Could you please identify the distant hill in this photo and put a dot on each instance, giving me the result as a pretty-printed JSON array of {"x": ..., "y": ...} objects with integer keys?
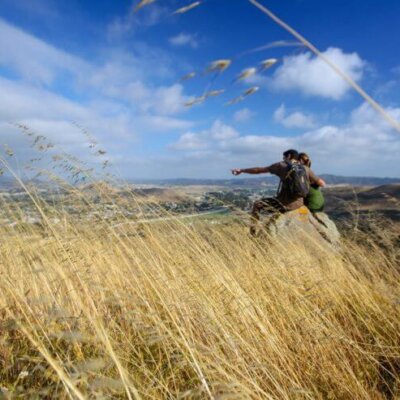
[
  {"x": 343, "y": 202},
  {"x": 358, "y": 180},
  {"x": 269, "y": 180},
  {"x": 244, "y": 181},
  {"x": 384, "y": 191}
]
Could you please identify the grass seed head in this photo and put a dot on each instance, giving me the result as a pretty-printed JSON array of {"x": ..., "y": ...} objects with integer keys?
[
  {"x": 246, "y": 73},
  {"x": 185, "y": 9},
  {"x": 267, "y": 63},
  {"x": 214, "y": 93},
  {"x": 219, "y": 66},
  {"x": 251, "y": 91},
  {"x": 188, "y": 76},
  {"x": 235, "y": 100},
  {"x": 196, "y": 100},
  {"x": 143, "y": 3}
]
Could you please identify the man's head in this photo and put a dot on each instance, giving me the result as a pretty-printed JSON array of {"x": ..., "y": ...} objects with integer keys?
[{"x": 291, "y": 155}]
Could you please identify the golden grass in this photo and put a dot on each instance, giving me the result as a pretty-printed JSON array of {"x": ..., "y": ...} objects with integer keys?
[
  {"x": 189, "y": 310},
  {"x": 174, "y": 310}
]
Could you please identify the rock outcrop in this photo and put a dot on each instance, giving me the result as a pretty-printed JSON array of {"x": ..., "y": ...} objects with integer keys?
[{"x": 303, "y": 225}]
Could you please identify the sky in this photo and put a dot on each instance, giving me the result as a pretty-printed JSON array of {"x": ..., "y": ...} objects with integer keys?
[{"x": 71, "y": 67}]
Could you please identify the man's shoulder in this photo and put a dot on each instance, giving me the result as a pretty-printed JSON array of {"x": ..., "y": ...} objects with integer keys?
[
  {"x": 279, "y": 165},
  {"x": 279, "y": 168}
]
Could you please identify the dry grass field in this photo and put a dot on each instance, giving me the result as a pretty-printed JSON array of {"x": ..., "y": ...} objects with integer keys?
[
  {"x": 96, "y": 304},
  {"x": 191, "y": 310}
]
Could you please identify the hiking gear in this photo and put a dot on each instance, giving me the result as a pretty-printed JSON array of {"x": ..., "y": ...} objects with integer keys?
[
  {"x": 315, "y": 200},
  {"x": 296, "y": 182}
]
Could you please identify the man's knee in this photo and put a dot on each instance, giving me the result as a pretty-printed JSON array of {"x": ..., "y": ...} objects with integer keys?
[{"x": 269, "y": 205}]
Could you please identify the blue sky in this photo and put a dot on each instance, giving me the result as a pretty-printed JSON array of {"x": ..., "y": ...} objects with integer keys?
[{"x": 117, "y": 74}]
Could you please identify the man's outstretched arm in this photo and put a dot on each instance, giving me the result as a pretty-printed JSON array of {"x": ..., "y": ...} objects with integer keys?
[{"x": 255, "y": 170}]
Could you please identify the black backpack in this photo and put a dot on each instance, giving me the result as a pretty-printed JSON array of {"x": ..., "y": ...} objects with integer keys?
[{"x": 296, "y": 183}]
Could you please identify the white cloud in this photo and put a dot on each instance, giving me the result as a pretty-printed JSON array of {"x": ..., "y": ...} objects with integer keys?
[
  {"x": 220, "y": 131},
  {"x": 205, "y": 139},
  {"x": 266, "y": 145},
  {"x": 166, "y": 100},
  {"x": 121, "y": 76},
  {"x": 19, "y": 100},
  {"x": 294, "y": 120},
  {"x": 33, "y": 59},
  {"x": 364, "y": 145},
  {"x": 52, "y": 116},
  {"x": 160, "y": 123},
  {"x": 243, "y": 115},
  {"x": 184, "y": 39},
  {"x": 121, "y": 103},
  {"x": 190, "y": 141},
  {"x": 312, "y": 76}
]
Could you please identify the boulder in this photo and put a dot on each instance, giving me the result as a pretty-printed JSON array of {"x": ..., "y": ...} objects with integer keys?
[{"x": 306, "y": 226}]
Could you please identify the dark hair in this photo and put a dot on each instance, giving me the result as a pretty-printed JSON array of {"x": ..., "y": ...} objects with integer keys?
[
  {"x": 292, "y": 154},
  {"x": 305, "y": 159}
]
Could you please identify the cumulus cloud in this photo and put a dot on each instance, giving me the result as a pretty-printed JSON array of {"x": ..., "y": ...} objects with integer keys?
[
  {"x": 34, "y": 59},
  {"x": 122, "y": 102},
  {"x": 159, "y": 100},
  {"x": 166, "y": 100},
  {"x": 120, "y": 105},
  {"x": 293, "y": 120},
  {"x": 52, "y": 116},
  {"x": 364, "y": 145},
  {"x": 220, "y": 131},
  {"x": 161, "y": 123},
  {"x": 184, "y": 39},
  {"x": 121, "y": 76},
  {"x": 19, "y": 100},
  {"x": 312, "y": 76},
  {"x": 243, "y": 115},
  {"x": 205, "y": 139},
  {"x": 191, "y": 141}
]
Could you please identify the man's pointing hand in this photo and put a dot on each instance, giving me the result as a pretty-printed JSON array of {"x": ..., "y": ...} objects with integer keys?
[{"x": 236, "y": 171}]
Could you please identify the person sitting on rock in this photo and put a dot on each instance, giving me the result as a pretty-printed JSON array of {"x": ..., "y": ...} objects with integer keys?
[
  {"x": 315, "y": 199},
  {"x": 285, "y": 200}
]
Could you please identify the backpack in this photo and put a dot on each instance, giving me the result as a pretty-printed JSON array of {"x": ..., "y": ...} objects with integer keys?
[{"x": 296, "y": 183}]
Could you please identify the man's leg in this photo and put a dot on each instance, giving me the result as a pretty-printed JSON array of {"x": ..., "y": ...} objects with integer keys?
[
  {"x": 268, "y": 204},
  {"x": 258, "y": 205}
]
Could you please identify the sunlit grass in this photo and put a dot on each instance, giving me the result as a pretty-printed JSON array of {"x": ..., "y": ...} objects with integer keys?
[{"x": 186, "y": 309}]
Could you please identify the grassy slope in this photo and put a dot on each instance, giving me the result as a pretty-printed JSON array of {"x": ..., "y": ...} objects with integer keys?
[{"x": 177, "y": 310}]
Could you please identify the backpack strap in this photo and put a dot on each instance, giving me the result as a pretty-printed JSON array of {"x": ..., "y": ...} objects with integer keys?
[{"x": 289, "y": 164}]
